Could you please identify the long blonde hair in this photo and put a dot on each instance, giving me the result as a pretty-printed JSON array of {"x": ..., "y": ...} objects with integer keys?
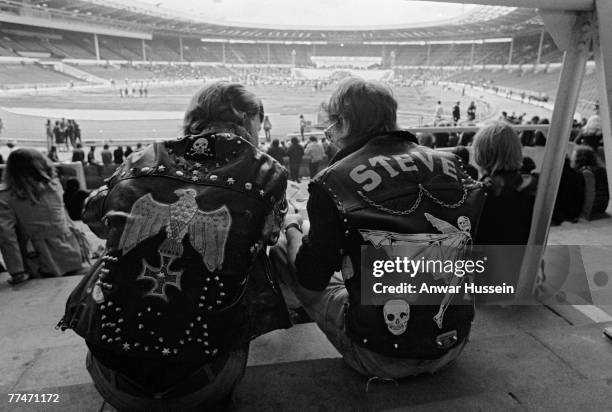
[
  {"x": 497, "y": 149},
  {"x": 28, "y": 174}
]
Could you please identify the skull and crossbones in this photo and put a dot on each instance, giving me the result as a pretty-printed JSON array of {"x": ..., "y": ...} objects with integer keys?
[
  {"x": 200, "y": 147},
  {"x": 397, "y": 313}
]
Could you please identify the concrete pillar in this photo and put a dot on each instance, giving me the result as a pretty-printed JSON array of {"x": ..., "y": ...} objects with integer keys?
[
  {"x": 96, "y": 46},
  {"x": 144, "y": 50},
  {"x": 579, "y": 34},
  {"x": 510, "y": 53},
  {"x": 603, "y": 64},
  {"x": 223, "y": 53},
  {"x": 268, "y": 51},
  {"x": 428, "y": 54},
  {"x": 181, "y": 46}
]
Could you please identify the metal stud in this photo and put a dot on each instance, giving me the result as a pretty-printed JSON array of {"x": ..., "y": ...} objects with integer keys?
[
  {"x": 158, "y": 313},
  {"x": 199, "y": 318},
  {"x": 118, "y": 338},
  {"x": 110, "y": 303},
  {"x": 248, "y": 186},
  {"x": 175, "y": 351},
  {"x": 214, "y": 352},
  {"x": 205, "y": 326},
  {"x": 220, "y": 284},
  {"x": 213, "y": 177},
  {"x": 160, "y": 339},
  {"x": 126, "y": 346},
  {"x": 103, "y": 317},
  {"x": 199, "y": 340},
  {"x": 191, "y": 324},
  {"x": 201, "y": 305},
  {"x": 139, "y": 314},
  {"x": 216, "y": 278},
  {"x": 218, "y": 302},
  {"x": 149, "y": 309},
  {"x": 179, "y": 173},
  {"x": 145, "y": 169},
  {"x": 166, "y": 352},
  {"x": 151, "y": 333},
  {"x": 146, "y": 348},
  {"x": 140, "y": 326},
  {"x": 182, "y": 342},
  {"x": 103, "y": 337},
  {"x": 118, "y": 330},
  {"x": 230, "y": 181},
  {"x": 120, "y": 320},
  {"x": 261, "y": 193},
  {"x": 365, "y": 340},
  {"x": 161, "y": 168},
  {"x": 136, "y": 344},
  {"x": 395, "y": 345}
]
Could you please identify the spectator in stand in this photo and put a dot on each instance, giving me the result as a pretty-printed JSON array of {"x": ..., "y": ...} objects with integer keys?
[
  {"x": 267, "y": 126},
  {"x": 49, "y": 132},
  {"x": 471, "y": 112},
  {"x": 504, "y": 117},
  {"x": 91, "y": 156},
  {"x": 77, "y": 132},
  {"x": 118, "y": 155},
  {"x": 107, "y": 156},
  {"x": 439, "y": 113},
  {"x": 295, "y": 153},
  {"x": 314, "y": 151},
  {"x": 597, "y": 194},
  {"x": 37, "y": 238},
  {"x": 426, "y": 139},
  {"x": 128, "y": 151},
  {"x": 441, "y": 139},
  {"x": 70, "y": 133},
  {"x": 570, "y": 196},
  {"x": 74, "y": 198},
  {"x": 302, "y": 127},
  {"x": 138, "y": 147},
  {"x": 57, "y": 133},
  {"x": 453, "y": 139},
  {"x": 276, "y": 151},
  {"x": 528, "y": 165},
  {"x": 456, "y": 113},
  {"x": 78, "y": 155},
  {"x": 506, "y": 216},
  {"x": 466, "y": 138},
  {"x": 52, "y": 155},
  {"x": 464, "y": 154},
  {"x": 591, "y": 134}
]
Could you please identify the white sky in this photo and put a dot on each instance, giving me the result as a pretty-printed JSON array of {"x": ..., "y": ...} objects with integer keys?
[{"x": 315, "y": 13}]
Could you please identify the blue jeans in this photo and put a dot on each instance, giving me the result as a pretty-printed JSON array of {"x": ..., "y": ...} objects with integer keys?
[
  {"x": 124, "y": 395},
  {"x": 327, "y": 309}
]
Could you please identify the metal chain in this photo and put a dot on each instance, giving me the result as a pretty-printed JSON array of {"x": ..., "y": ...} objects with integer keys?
[{"x": 416, "y": 203}]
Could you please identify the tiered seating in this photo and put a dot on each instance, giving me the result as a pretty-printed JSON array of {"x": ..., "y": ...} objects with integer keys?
[
  {"x": 119, "y": 73},
  {"x": 13, "y": 74}
]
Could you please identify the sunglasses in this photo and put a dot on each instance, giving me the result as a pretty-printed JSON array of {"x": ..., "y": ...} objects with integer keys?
[{"x": 327, "y": 131}]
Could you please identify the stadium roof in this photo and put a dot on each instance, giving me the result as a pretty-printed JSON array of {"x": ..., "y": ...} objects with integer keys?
[{"x": 478, "y": 22}]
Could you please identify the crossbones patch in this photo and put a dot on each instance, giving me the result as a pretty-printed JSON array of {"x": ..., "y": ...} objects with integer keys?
[{"x": 201, "y": 148}]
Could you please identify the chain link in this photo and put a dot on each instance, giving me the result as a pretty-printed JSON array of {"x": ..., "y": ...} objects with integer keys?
[{"x": 416, "y": 203}]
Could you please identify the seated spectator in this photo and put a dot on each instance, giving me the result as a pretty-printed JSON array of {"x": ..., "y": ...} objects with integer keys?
[
  {"x": 295, "y": 152},
  {"x": 426, "y": 139},
  {"x": 314, "y": 151},
  {"x": 74, "y": 198},
  {"x": 276, "y": 151},
  {"x": 78, "y": 155},
  {"x": 506, "y": 216},
  {"x": 453, "y": 139},
  {"x": 466, "y": 138},
  {"x": 527, "y": 165},
  {"x": 107, "y": 156},
  {"x": 37, "y": 237},
  {"x": 128, "y": 151},
  {"x": 570, "y": 197},
  {"x": 597, "y": 195},
  {"x": 118, "y": 155},
  {"x": 185, "y": 261},
  {"x": 464, "y": 154},
  {"x": 591, "y": 134},
  {"x": 441, "y": 139},
  {"x": 91, "y": 156},
  {"x": 381, "y": 340}
]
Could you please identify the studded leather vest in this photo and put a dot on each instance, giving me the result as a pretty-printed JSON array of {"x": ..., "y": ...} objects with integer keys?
[
  {"x": 392, "y": 192},
  {"x": 186, "y": 223}
]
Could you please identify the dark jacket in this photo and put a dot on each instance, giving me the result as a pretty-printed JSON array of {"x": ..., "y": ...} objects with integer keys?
[
  {"x": 383, "y": 193},
  {"x": 186, "y": 223}
]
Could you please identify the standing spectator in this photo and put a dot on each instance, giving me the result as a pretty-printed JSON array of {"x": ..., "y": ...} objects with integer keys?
[
  {"x": 33, "y": 218},
  {"x": 107, "y": 156},
  {"x": 91, "y": 156},
  {"x": 49, "y": 133},
  {"x": 315, "y": 152},
  {"x": 456, "y": 113},
  {"x": 466, "y": 138},
  {"x": 570, "y": 196},
  {"x": 118, "y": 155},
  {"x": 78, "y": 155},
  {"x": 77, "y": 131},
  {"x": 57, "y": 133},
  {"x": 138, "y": 147},
  {"x": 52, "y": 155},
  {"x": 128, "y": 151},
  {"x": 295, "y": 153},
  {"x": 70, "y": 133},
  {"x": 439, "y": 113},
  {"x": 267, "y": 126},
  {"x": 74, "y": 198},
  {"x": 591, "y": 134},
  {"x": 425, "y": 139},
  {"x": 276, "y": 151},
  {"x": 471, "y": 112},
  {"x": 302, "y": 126}
]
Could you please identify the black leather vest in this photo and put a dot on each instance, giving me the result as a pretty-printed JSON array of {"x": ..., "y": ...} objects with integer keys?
[
  {"x": 392, "y": 191},
  {"x": 185, "y": 222}
]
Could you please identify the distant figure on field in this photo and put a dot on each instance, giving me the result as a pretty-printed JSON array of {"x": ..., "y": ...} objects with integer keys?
[
  {"x": 456, "y": 113},
  {"x": 267, "y": 126},
  {"x": 107, "y": 156},
  {"x": 74, "y": 198}
]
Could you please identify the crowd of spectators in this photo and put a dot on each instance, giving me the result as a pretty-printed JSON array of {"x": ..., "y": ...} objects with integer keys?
[{"x": 63, "y": 133}]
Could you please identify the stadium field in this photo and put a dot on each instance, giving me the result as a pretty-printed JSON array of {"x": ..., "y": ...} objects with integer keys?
[{"x": 106, "y": 117}]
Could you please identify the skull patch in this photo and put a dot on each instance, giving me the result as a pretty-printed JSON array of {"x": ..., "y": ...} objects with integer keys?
[
  {"x": 397, "y": 313},
  {"x": 464, "y": 224},
  {"x": 200, "y": 146}
]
